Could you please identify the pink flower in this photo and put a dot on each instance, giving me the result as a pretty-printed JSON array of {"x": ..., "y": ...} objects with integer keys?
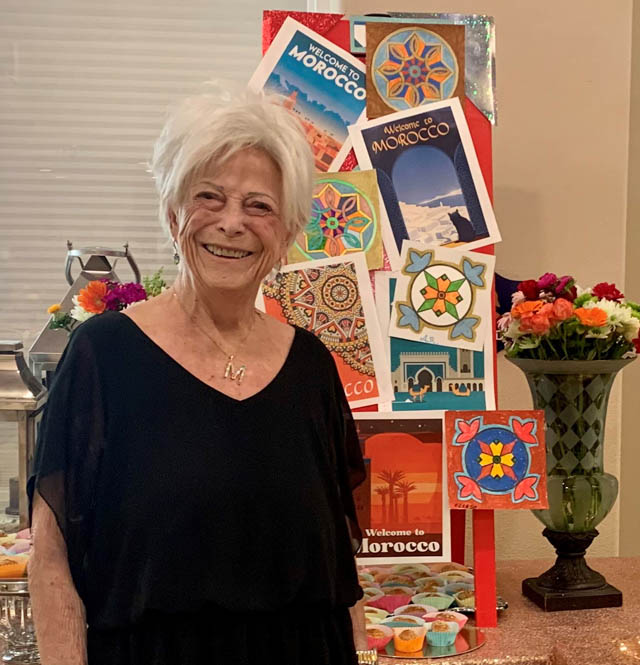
[
  {"x": 547, "y": 281},
  {"x": 564, "y": 284},
  {"x": 517, "y": 297},
  {"x": 504, "y": 322}
]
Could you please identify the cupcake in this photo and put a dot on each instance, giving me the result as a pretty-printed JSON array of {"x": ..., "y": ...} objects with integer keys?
[
  {"x": 378, "y": 636},
  {"x": 457, "y": 576},
  {"x": 452, "y": 566},
  {"x": 397, "y": 580},
  {"x": 454, "y": 587},
  {"x": 414, "y": 610},
  {"x": 430, "y": 583},
  {"x": 365, "y": 577},
  {"x": 392, "y": 598},
  {"x": 375, "y": 614},
  {"x": 442, "y": 633},
  {"x": 449, "y": 615},
  {"x": 371, "y": 593},
  {"x": 410, "y": 569},
  {"x": 441, "y": 601},
  {"x": 466, "y": 598},
  {"x": 398, "y": 620},
  {"x": 408, "y": 640}
]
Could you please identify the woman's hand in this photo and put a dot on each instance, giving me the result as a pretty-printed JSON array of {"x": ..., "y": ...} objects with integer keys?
[{"x": 359, "y": 625}]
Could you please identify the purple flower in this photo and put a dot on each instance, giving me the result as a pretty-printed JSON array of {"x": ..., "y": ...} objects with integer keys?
[
  {"x": 121, "y": 295},
  {"x": 563, "y": 283},
  {"x": 547, "y": 281}
]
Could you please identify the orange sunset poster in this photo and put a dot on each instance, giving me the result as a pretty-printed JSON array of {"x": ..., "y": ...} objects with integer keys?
[{"x": 402, "y": 508}]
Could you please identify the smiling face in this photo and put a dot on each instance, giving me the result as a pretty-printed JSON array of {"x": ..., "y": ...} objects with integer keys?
[{"x": 230, "y": 229}]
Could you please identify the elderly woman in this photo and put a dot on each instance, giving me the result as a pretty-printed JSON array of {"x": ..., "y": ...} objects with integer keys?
[{"x": 192, "y": 487}]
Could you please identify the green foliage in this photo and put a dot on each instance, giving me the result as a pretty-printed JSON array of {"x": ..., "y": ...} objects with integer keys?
[{"x": 155, "y": 284}]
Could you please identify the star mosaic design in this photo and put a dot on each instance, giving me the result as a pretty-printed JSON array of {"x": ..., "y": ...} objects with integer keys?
[
  {"x": 415, "y": 71},
  {"x": 341, "y": 222},
  {"x": 326, "y": 301},
  {"x": 441, "y": 295}
]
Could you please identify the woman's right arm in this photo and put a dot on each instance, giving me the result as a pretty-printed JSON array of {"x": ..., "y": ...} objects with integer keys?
[{"x": 58, "y": 611}]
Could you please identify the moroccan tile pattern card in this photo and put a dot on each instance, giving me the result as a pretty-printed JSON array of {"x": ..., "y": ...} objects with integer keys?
[
  {"x": 496, "y": 459},
  {"x": 333, "y": 299},
  {"x": 427, "y": 154},
  {"x": 321, "y": 83},
  {"x": 443, "y": 296},
  {"x": 431, "y": 377},
  {"x": 347, "y": 216},
  {"x": 413, "y": 64},
  {"x": 402, "y": 507}
]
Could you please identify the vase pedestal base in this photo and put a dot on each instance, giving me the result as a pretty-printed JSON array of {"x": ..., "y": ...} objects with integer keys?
[{"x": 551, "y": 600}]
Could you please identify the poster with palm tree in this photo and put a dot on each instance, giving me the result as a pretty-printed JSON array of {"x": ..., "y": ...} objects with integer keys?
[{"x": 405, "y": 515}]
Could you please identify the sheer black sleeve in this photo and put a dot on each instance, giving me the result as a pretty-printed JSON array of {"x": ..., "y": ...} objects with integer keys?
[
  {"x": 70, "y": 444},
  {"x": 350, "y": 464}
]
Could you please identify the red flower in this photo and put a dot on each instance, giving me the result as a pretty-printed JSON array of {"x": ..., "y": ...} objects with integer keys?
[
  {"x": 605, "y": 291},
  {"x": 636, "y": 343},
  {"x": 530, "y": 289}
]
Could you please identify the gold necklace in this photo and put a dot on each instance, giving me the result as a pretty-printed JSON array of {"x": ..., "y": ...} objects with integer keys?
[{"x": 230, "y": 372}]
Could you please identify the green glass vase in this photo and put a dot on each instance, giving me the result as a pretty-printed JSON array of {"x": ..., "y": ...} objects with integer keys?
[{"x": 574, "y": 396}]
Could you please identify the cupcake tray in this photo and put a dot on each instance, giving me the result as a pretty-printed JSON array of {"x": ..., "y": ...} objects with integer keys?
[{"x": 468, "y": 639}]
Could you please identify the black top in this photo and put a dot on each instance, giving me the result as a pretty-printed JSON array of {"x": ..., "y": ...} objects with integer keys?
[{"x": 173, "y": 496}]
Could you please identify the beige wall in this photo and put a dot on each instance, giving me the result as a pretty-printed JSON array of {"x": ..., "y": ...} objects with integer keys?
[
  {"x": 560, "y": 162},
  {"x": 629, "y": 490}
]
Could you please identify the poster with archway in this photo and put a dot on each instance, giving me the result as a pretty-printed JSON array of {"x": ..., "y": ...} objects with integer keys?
[
  {"x": 403, "y": 507},
  {"x": 427, "y": 154}
]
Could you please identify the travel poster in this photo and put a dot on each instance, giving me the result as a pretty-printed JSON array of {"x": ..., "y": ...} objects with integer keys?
[
  {"x": 405, "y": 517},
  {"x": 413, "y": 64},
  {"x": 496, "y": 459},
  {"x": 428, "y": 155},
  {"x": 322, "y": 84},
  {"x": 333, "y": 299},
  {"x": 431, "y": 377}
]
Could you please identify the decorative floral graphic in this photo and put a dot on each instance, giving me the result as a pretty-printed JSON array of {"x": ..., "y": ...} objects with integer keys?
[
  {"x": 333, "y": 299},
  {"x": 327, "y": 303},
  {"x": 345, "y": 218},
  {"x": 342, "y": 221},
  {"x": 441, "y": 295},
  {"x": 414, "y": 67},
  {"x": 496, "y": 459},
  {"x": 440, "y": 301}
]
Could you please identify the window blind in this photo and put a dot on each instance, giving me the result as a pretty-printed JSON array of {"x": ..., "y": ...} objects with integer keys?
[{"x": 84, "y": 87}]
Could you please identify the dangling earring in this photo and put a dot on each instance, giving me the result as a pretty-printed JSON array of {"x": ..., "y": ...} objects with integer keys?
[{"x": 176, "y": 256}]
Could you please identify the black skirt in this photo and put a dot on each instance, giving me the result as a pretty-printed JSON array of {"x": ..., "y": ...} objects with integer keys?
[{"x": 304, "y": 636}]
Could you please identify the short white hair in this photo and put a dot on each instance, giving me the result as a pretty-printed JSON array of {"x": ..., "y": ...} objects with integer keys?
[{"x": 206, "y": 130}]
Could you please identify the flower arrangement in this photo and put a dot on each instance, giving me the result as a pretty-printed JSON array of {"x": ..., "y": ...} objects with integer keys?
[
  {"x": 551, "y": 319},
  {"x": 104, "y": 295}
]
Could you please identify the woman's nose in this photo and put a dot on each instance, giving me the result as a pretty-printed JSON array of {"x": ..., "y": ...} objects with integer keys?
[{"x": 232, "y": 221}]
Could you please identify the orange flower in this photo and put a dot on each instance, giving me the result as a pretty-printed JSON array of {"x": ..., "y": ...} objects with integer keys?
[
  {"x": 562, "y": 309},
  {"x": 53, "y": 309},
  {"x": 593, "y": 317},
  {"x": 535, "y": 323},
  {"x": 90, "y": 298},
  {"x": 526, "y": 308}
]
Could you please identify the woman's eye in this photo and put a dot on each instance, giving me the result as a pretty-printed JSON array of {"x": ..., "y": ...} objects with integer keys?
[
  {"x": 209, "y": 196},
  {"x": 261, "y": 206}
]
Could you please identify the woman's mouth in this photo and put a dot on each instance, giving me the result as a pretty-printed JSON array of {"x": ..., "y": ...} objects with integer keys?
[{"x": 227, "y": 253}]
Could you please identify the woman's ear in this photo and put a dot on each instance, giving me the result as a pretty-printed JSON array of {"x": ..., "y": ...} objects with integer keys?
[{"x": 173, "y": 223}]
